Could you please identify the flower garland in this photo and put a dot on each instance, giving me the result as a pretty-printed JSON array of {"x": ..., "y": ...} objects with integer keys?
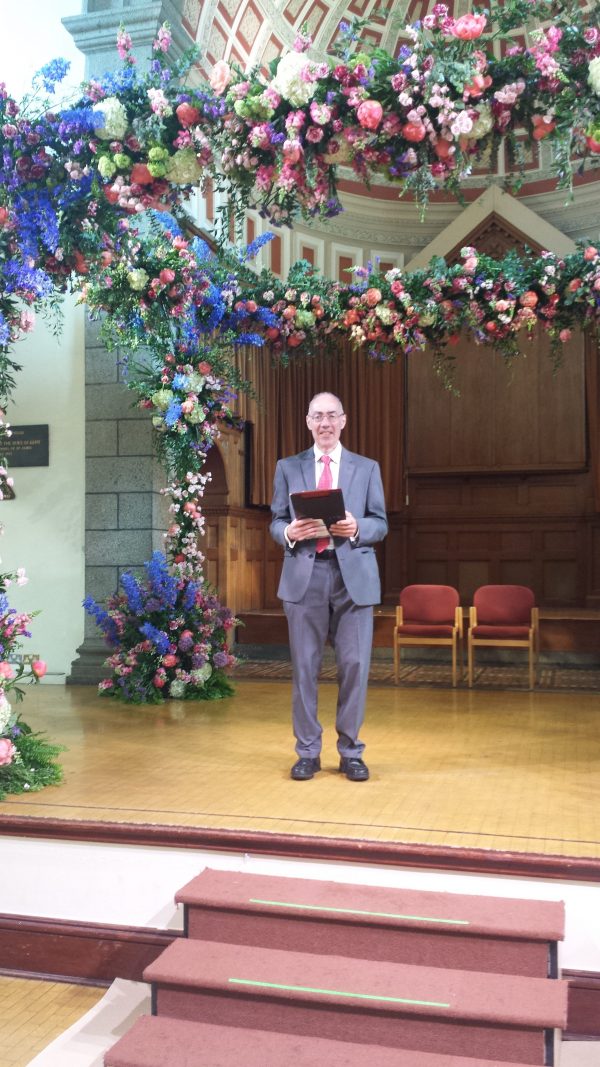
[{"x": 27, "y": 759}]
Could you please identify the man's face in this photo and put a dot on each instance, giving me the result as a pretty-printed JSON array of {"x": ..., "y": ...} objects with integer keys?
[{"x": 325, "y": 421}]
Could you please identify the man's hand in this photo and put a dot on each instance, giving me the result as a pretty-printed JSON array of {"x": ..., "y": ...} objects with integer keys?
[
  {"x": 305, "y": 529},
  {"x": 347, "y": 527}
]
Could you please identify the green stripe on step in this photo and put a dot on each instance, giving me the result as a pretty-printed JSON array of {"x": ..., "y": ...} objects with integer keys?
[
  {"x": 357, "y": 911},
  {"x": 337, "y": 993}
]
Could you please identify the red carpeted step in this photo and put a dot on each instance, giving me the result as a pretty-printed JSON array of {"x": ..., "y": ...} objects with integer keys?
[
  {"x": 155, "y": 1041},
  {"x": 431, "y": 1009},
  {"x": 430, "y": 929}
]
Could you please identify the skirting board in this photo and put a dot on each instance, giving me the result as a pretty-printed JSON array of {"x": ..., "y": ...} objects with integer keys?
[{"x": 97, "y": 954}]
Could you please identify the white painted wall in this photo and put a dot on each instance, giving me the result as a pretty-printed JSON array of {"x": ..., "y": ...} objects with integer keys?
[{"x": 44, "y": 525}]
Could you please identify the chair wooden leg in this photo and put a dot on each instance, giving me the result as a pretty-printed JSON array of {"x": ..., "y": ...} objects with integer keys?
[
  {"x": 395, "y": 662},
  {"x": 531, "y": 660},
  {"x": 454, "y": 664},
  {"x": 470, "y": 662}
]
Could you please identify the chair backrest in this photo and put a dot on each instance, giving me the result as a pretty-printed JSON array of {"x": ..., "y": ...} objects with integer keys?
[
  {"x": 429, "y": 603},
  {"x": 503, "y": 605}
]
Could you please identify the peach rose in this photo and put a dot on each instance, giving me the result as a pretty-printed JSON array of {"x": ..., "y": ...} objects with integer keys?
[
  {"x": 187, "y": 114},
  {"x": 39, "y": 668},
  {"x": 140, "y": 175},
  {"x": 220, "y": 76},
  {"x": 369, "y": 114},
  {"x": 373, "y": 297},
  {"x": 7, "y": 752},
  {"x": 528, "y": 299},
  {"x": 468, "y": 27},
  {"x": 542, "y": 127},
  {"x": 590, "y": 253},
  {"x": 413, "y": 131}
]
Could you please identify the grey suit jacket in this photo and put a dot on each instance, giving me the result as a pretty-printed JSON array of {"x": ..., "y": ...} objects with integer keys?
[{"x": 360, "y": 481}]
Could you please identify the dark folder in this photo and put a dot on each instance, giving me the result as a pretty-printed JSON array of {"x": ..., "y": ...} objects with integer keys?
[{"x": 325, "y": 504}]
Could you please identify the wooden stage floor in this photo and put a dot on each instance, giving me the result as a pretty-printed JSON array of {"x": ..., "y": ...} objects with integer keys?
[{"x": 512, "y": 771}]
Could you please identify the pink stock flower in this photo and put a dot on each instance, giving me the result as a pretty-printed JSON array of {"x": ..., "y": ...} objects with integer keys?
[
  {"x": 220, "y": 76},
  {"x": 39, "y": 668},
  {"x": 163, "y": 39},
  {"x": 369, "y": 114},
  {"x": 468, "y": 27},
  {"x": 7, "y": 752}
]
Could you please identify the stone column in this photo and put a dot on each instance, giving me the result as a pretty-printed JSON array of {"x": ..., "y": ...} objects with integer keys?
[{"x": 124, "y": 512}]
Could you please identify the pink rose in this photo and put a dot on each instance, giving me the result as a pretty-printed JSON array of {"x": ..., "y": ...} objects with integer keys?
[
  {"x": 590, "y": 253},
  {"x": 468, "y": 27},
  {"x": 6, "y": 671},
  {"x": 159, "y": 681},
  {"x": 565, "y": 335},
  {"x": 7, "y": 751},
  {"x": 220, "y": 76},
  {"x": 292, "y": 151},
  {"x": 169, "y": 660},
  {"x": 369, "y": 114}
]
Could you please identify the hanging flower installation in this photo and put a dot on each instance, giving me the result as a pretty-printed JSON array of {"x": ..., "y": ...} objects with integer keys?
[{"x": 75, "y": 184}]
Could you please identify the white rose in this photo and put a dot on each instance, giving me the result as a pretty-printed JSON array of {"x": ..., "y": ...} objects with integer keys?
[
  {"x": 288, "y": 81},
  {"x": 594, "y": 74},
  {"x": 114, "y": 126}
]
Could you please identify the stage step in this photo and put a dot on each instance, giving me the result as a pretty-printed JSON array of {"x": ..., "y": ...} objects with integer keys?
[
  {"x": 491, "y": 934},
  {"x": 429, "y": 1009},
  {"x": 155, "y": 1041}
]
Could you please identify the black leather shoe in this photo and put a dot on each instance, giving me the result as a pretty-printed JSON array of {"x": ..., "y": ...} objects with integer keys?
[
  {"x": 354, "y": 769},
  {"x": 305, "y": 768}
]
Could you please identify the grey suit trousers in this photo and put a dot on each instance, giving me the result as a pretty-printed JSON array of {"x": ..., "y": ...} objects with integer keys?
[{"x": 327, "y": 611}]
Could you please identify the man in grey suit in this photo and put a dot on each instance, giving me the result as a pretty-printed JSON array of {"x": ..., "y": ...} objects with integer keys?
[{"x": 329, "y": 584}]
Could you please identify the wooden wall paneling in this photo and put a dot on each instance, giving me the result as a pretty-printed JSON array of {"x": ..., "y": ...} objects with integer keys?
[
  {"x": 562, "y": 404},
  {"x": 429, "y": 416},
  {"x": 593, "y": 556},
  {"x": 521, "y": 416}
]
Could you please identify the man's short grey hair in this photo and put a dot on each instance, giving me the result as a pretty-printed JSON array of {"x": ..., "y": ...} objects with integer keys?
[{"x": 326, "y": 393}]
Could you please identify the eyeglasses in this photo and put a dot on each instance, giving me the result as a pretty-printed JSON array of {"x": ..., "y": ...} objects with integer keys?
[{"x": 318, "y": 416}]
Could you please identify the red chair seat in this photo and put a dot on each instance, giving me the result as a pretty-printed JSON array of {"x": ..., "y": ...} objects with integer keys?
[
  {"x": 503, "y": 633},
  {"x": 416, "y": 629},
  {"x": 504, "y": 615}
]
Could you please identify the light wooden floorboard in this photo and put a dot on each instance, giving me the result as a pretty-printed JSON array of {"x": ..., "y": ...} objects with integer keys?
[
  {"x": 33, "y": 1013},
  {"x": 497, "y": 770}
]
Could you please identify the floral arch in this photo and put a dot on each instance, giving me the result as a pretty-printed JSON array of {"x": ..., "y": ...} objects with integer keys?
[{"x": 92, "y": 198}]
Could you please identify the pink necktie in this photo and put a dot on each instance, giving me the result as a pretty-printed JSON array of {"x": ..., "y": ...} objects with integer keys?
[{"x": 325, "y": 482}]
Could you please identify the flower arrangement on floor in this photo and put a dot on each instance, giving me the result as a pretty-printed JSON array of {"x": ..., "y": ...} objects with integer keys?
[
  {"x": 27, "y": 759},
  {"x": 169, "y": 634}
]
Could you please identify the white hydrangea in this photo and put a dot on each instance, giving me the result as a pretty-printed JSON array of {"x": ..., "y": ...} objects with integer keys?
[
  {"x": 137, "y": 279},
  {"x": 5, "y": 710},
  {"x": 114, "y": 126},
  {"x": 594, "y": 74},
  {"x": 177, "y": 688},
  {"x": 184, "y": 168},
  {"x": 288, "y": 81},
  {"x": 483, "y": 123},
  {"x": 201, "y": 674}
]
